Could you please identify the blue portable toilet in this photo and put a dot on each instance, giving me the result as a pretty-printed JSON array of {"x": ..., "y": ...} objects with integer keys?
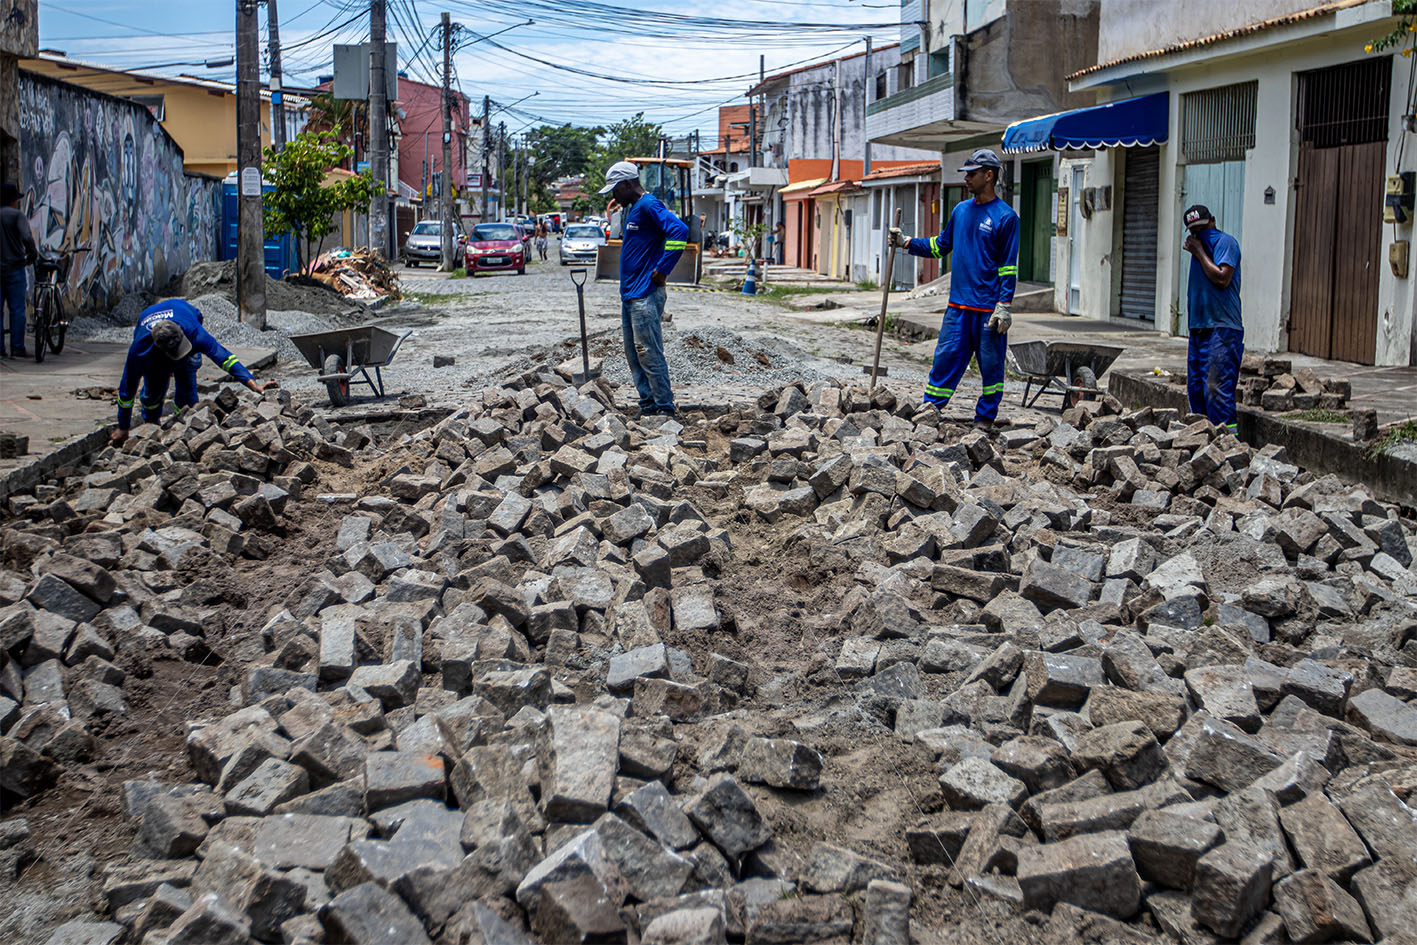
[{"x": 280, "y": 250}]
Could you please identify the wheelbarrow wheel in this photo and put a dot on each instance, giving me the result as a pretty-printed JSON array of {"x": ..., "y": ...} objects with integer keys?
[
  {"x": 1084, "y": 377},
  {"x": 339, "y": 390}
]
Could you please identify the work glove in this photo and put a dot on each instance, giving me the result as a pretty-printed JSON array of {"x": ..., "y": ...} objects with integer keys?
[
  {"x": 897, "y": 238},
  {"x": 1002, "y": 318}
]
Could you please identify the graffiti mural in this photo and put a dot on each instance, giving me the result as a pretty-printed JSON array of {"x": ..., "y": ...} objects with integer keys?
[{"x": 102, "y": 180}]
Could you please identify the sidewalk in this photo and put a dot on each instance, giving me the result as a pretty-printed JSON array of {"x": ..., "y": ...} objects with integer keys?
[
  {"x": 1391, "y": 391},
  {"x": 41, "y": 401}
]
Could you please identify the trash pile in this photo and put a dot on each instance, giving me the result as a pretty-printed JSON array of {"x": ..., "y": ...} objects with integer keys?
[
  {"x": 555, "y": 675},
  {"x": 360, "y": 274}
]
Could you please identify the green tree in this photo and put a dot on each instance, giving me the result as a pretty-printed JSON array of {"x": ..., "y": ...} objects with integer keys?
[
  {"x": 560, "y": 151},
  {"x": 633, "y": 137},
  {"x": 1407, "y": 9},
  {"x": 305, "y": 199}
]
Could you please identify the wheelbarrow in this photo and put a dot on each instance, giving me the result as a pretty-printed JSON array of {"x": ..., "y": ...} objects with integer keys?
[
  {"x": 1065, "y": 368},
  {"x": 344, "y": 357}
]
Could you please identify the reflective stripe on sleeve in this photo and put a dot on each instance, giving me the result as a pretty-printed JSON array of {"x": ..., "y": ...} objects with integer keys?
[
  {"x": 227, "y": 364},
  {"x": 935, "y": 246},
  {"x": 670, "y": 245},
  {"x": 1008, "y": 270}
]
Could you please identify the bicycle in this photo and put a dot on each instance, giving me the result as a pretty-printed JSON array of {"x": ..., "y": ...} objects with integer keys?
[{"x": 51, "y": 320}]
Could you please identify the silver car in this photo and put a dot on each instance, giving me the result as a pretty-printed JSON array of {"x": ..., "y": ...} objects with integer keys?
[
  {"x": 424, "y": 243},
  {"x": 579, "y": 241}
]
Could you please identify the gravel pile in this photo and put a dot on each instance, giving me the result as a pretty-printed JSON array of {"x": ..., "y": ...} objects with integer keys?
[
  {"x": 219, "y": 316},
  {"x": 715, "y": 357}
]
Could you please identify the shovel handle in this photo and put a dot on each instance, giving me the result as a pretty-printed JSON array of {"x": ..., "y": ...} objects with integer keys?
[
  {"x": 578, "y": 272},
  {"x": 885, "y": 298}
]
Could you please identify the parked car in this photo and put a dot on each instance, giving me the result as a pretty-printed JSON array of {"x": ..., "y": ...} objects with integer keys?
[
  {"x": 496, "y": 247},
  {"x": 579, "y": 241},
  {"x": 424, "y": 243}
]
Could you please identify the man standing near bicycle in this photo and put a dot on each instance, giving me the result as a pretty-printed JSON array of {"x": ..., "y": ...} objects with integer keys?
[
  {"x": 17, "y": 251},
  {"x": 168, "y": 344}
]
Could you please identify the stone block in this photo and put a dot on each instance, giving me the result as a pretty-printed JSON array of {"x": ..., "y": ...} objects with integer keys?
[
  {"x": 1167, "y": 846},
  {"x": 1052, "y": 587},
  {"x": 651, "y": 809},
  {"x": 273, "y": 782},
  {"x": 579, "y": 755},
  {"x": 1387, "y": 717},
  {"x": 1386, "y": 824},
  {"x": 1315, "y": 909},
  {"x": 1061, "y": 680},
  {"x": 1040, "y": 763},
  {"x": 1231, "y": 887},
  {"x": 780, "y": 763},
  {"x": 1127, "y": 754},
  {"x": 728, "y": 817},
  {"x": 369, "y": 914},
  {"x": 1092, "y": 872},
  {"x": 392, "y": 777},
  {"x": 975, "y": 783},
  {"x": 650, "y": 662},
  {"x": 651, "y": 871},
  {"x": 1226, "y": 693}
]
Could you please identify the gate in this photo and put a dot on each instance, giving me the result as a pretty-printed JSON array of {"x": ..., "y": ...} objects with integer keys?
[
  {"x": 1141, "y": 190},
  {"x": 1342, "y": 123}
]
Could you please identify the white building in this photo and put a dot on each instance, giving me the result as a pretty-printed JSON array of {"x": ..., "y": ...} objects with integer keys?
[{"x": 1271, "y": 113}]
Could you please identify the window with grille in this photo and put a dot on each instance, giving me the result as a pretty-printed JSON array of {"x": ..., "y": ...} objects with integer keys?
[
  {"x": 1345, "y": 104},
  {"x": 1218, "y": 124}
]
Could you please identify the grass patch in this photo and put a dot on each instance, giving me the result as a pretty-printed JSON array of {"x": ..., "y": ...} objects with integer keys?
[
  {"x": 1320, "y": 415},
  {"x": 435, "y": 298},
  {"x": 781, "y": 292},
  {"x": 1404, "y": 432},
  {"x": 867, "y": 285}
]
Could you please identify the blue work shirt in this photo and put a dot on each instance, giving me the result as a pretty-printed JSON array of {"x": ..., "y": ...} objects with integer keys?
[
  {"x": 1208, "y": 305},
  {"x": 984, "y": 240},
  {"x": 653, "y": 240},
  {"x": 144, "y": 358}
]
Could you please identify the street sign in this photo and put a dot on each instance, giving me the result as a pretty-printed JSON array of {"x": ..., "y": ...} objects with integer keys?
[
  {"x": 361, "y": 166},
  {"x": 474, "y": 180}
]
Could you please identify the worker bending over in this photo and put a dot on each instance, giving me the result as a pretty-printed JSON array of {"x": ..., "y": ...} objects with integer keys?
[
  {"x": 982, "y": 233},
  {"x": 168, "y": 344}
]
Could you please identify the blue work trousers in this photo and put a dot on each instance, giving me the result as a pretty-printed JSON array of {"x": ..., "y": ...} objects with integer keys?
[
  {"x": 154, "y": 388},
  {"x": 644, "y": 349},
  {"x": 1212, "y": 365},
  {"x": 965, "y": 333},
  {"x": 12, "y": 296}
]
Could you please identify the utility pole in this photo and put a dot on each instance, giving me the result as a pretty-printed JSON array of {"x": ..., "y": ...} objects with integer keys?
[
  {"x": 486, "y": 150},
  {"x": 866, "y": 95},
  {"x": 378, "y": 130},
  {"x": 445, "y": 198},
  {"x": 502, "y": 169},
  {"x": 753, "y": 121},
  {"x": 250, "y": 232},
  {"x": 836, "y": 121},
  {"x": 277, "y": 99}
]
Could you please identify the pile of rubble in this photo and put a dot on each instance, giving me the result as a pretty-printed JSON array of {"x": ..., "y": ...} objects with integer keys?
[
  {"x": 360, "y": 274},
  {"x": 1161, "y": 682},
  {"x": 1272, "y": 384}
]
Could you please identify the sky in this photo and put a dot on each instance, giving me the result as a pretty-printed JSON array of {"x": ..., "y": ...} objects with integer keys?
[{"x": 589, "y": 62}]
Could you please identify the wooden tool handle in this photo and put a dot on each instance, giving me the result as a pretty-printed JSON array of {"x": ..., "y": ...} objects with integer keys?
[{"x": 885, "y": 298}]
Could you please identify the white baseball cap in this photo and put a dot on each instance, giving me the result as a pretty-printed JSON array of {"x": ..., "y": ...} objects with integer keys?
[{"x": 619, "y": 171}]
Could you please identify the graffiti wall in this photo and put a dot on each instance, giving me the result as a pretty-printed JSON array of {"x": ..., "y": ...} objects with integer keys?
[{"x": 102, "y": 180}]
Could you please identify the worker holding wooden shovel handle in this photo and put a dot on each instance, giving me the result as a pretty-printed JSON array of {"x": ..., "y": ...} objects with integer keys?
[{"x": 982, "y": 234}]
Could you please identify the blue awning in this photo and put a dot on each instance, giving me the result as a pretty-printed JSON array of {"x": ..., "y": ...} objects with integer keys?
[{"x": 1129, "y": 123}]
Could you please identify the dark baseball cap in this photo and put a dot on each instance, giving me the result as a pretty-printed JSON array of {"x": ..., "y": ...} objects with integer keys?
[
  {"x": 983, "y": 158},
  {"x": 1197, "y": 213},
  {"x": 169, "y": 338},
  {"x": 9, "y": 193}
]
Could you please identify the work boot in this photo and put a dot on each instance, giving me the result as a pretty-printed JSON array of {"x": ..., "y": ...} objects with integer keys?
[{"x": 984, "y": 426}]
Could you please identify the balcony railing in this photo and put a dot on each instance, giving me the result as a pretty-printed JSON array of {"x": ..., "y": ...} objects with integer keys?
[{"x": 914, "y": 93}]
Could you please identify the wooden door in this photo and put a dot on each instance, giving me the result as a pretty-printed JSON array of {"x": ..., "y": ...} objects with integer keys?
[
  {"x": 1333, "y": 299},
  {"x": 930, "y": 226},
  {"x": 1035, "y": 251}
]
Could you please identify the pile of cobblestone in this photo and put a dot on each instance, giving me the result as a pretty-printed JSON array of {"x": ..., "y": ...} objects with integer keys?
[{"x": 1164, "y": 681}]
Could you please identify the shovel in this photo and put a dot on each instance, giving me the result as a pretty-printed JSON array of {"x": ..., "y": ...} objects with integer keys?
[
  {"x": 876, "y": 369},
  {"x": 584, "y": 374}
]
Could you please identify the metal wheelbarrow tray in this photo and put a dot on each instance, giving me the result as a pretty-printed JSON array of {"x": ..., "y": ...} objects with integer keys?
[
  {"x": 344, "y": 356},
  {"x": 1066, "y": 368}
]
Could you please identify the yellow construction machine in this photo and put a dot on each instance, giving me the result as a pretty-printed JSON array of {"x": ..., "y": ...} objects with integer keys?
[{"x": 668, "y": 179}]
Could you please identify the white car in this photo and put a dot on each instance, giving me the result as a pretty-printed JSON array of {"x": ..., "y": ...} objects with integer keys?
[{"x": 579, "y": 242}]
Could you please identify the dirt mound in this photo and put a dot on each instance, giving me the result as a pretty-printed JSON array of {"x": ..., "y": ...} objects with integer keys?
[{"x": 219, "y": 278}]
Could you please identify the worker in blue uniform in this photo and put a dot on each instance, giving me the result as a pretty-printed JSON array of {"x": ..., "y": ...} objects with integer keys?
[
  {"x": 168, "y": 344},
  {"x": 982, "y": 234},
  {"x": 1216, "y": 342},
  {"x": 653, "y": 239}
]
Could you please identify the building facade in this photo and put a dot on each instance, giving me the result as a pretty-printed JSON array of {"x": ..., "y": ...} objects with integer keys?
[
  {"x": 19, "y": 39},
  {"x": 965, "y": 71},
  {"x": 1272, "y": 114}
]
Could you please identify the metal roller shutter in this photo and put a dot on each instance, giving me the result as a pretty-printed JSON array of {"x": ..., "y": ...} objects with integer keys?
[{"x": 1141, "y": 192}]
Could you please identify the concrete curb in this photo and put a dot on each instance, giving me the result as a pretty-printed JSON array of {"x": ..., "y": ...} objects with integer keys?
[
  {"x": 1309, "y": 446},
  {"x": 26, "y": 477}
]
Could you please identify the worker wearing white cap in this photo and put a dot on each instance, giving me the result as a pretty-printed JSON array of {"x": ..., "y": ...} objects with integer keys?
[{"x": 653, "y": 239}]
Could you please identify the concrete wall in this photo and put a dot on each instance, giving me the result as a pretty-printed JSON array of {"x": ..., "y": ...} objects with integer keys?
[
  {"x": 1129, "y": 27},
  {"x": 19, "y": 36},
  {"x": 1015, "y": 66},
  {"x": 1268, "y": 235},
  {"x": 100, "y": 172},
  {"x": 800, "y": 112},
  {"x": 423, "y": 128}
]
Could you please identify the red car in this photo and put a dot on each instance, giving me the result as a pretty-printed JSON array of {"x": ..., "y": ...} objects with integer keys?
[{"x": 495, "y": 247}]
